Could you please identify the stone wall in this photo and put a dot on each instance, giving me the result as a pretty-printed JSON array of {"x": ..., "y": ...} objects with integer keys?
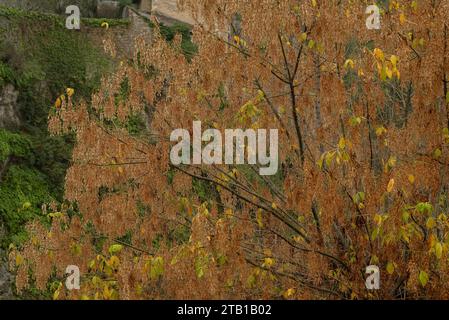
[
  {"x": 146, "y": 6},
  {"x": 168, "y": 13},
  {"x": 123, "y": 36}
]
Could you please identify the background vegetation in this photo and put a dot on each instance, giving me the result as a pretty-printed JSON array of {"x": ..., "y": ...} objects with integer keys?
[{"x": 363, "y": 148}]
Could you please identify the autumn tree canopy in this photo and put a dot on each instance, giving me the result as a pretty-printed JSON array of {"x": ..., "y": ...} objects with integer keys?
[{"x": 363, "y": 171}]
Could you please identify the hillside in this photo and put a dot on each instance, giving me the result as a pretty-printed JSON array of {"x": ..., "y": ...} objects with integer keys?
[{"x": 39, "y": 60}]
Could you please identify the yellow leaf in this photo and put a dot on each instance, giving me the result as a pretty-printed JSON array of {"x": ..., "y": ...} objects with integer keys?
[
  {"x": 274, "y": 206},
  {"x": 288, "y": 293},
  {"x": 281, "y": 110},
  {"x": 378, "y": 219},
  {"x": 360, "y": 72},
  {"x": 96, "y": 281},
  {"x": 107, "y": 294},
  {"x": 349, "y": 64},
  {"x": 394, "y": 60},
  {"x": 411, "y": 178},
  {"x": 314, "y": 3},
  {"x": 268, "y": 262},
  {"x": 259, "y": 218},
  {"x": 19, "y": 259},
  {"x": 378, "y": 53},
  {"x": 55, "y": 214},
  {"x": 342, "y": 143},
  {"x": 114, "y": 261},
  {"x": 390, "y": 186},
  {"x": 56, "y": 294},
  {"x": 58, "y": 103},
  {"x": 437, "y": 153},
  {"x": 380, "y": 131},
  {"x": 70, "y": 91},
  {"x": 402, "y": 18},
  {"x": 105, "y": 25},
  {"x": 392, "y": 162},
  {"x": 438, "y": 250},
  {"x": 431, "y": 223},
  {"x": 390, "y": 267},
  {"x": 389, "y": 72}
]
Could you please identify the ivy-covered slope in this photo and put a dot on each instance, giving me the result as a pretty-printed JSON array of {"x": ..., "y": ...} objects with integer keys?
[{"x": 40, "y": 58}]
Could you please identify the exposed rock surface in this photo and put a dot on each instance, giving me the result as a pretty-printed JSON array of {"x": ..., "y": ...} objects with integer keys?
[
  {"x": 6, "y": 278},
  {"x": 9, "y": 117}
]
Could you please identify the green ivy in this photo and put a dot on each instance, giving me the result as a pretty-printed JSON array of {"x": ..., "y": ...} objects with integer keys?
[
  {"x": 6, "y": 74},
  {"x": 18, "y": 15},
  {"x": 23, "y": 190},
  {"x": 13, "y": 145},
  {"x": 188, "y": 47},
  {"x": 41, "y": 62}
]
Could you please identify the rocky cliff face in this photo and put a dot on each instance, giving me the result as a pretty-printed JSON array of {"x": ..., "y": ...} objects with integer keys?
[
  {"x": 9, "y": 115},
  {"x": 8, "y": 119},
  {"x": 6, "y": 279}
]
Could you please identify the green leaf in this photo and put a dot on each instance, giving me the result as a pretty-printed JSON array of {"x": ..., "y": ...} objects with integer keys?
[
  {"x": 26, "y": 205},
  {"x": 354, "y": 121},
  {"x": 328, "y": 158},
  {"x": 383, "y": 74},
  {"x": 222, "y": 259},
  {"x": 200, "y": 265},
  {"x": 115, "y": 248},
  {"x": 359, "y": 197},
  {"x": 423, "y": 278},
  {"x": 311, "y": 44},
  {"x": 375, "y": 233},
  {"x": 157, "y": 268},
  {"x": 199, "y": 269},
  {"x": 423, "y": 207},
  {"x": 251, "y": 281}
]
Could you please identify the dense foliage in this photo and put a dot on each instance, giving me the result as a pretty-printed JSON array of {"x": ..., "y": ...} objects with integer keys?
[
  {"x": 40, "y": 58},
  {"x": 363, "y": 121}
]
